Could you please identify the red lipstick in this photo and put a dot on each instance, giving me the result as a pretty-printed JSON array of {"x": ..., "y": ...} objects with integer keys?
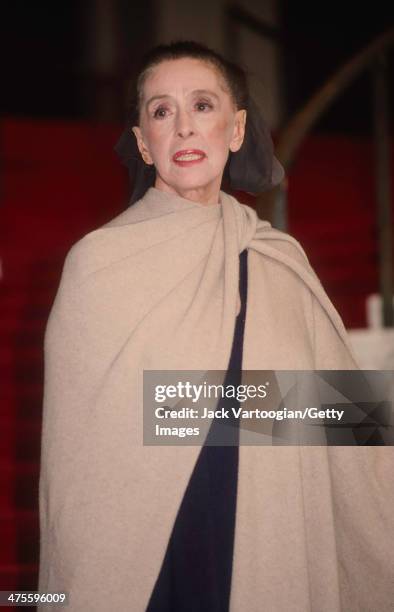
[{"x": 187, "y": 157}]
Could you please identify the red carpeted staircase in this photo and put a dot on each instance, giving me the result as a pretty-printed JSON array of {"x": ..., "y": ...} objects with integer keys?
[
  {"x": 60, "y": 180},
  {"x": 333, "y": 212}
]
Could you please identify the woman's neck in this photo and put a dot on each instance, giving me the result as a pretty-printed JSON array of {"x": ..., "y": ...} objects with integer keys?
[{"x": 206, "y": 195}]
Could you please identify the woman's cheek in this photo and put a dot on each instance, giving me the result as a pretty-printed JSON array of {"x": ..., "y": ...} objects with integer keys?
[
  {"x": 221, "y": 135},
  {"x": 160, "y": 151}
]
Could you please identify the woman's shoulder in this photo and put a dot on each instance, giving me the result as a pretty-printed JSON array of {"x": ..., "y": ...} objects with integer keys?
[{"x": 96, "y": 248}]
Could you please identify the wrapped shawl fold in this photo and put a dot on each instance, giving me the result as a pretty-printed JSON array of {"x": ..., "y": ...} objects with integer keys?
[{"x": 157, "y": 288}]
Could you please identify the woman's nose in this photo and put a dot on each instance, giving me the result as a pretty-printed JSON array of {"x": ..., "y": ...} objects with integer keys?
[{"x": 184, "y": 124}]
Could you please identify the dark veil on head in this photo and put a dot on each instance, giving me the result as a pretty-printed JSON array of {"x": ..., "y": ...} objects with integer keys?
[{"x": 253, "y": 168}]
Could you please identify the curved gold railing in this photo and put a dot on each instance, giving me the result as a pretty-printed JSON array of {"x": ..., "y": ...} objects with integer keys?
[{"x": 291, "y": 136}]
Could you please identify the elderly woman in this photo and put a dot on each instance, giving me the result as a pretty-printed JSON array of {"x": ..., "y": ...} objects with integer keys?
[{"x": 187, "y": 278}]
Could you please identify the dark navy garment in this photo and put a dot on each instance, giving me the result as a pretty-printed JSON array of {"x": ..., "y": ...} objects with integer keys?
[{"x": 197, "y": 568}]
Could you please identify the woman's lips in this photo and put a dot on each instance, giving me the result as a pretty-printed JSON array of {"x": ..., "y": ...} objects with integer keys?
[{"x": 188, "y": 157}]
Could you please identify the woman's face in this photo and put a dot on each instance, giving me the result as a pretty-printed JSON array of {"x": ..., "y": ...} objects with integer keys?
[{"x": 188, "y": 125}]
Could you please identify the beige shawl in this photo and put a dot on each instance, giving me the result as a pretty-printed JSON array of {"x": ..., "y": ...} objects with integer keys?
[{"x": 157, "y": 288}]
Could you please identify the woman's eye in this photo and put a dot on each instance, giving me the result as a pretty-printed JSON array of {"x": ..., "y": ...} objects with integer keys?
[
  {"x": 204, "y": 104},
  {"x": 159, "y": 112}
]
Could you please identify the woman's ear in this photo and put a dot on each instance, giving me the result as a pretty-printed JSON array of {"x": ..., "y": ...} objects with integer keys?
[
  {"x": 239, "y": 130},
  {"x": 143, "y": 149}
]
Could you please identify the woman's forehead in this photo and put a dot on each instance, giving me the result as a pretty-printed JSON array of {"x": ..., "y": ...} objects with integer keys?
[{"x": 183, "y": 76}]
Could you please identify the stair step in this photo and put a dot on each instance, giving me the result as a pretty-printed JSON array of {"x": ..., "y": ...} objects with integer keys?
[
  {"x": 20, "y": 441},
  {"x": 19, "y": 577},
  {"x": 19, "y": 490},
  {"x": 30, "y": 391},
  {"x": 11, "y": 326},
  {"x": 22, "y": 408},
  {"x": 15, "y": 277},
  {"x": 16, "y": 299},
  {"x": 28, "y": 311},
  {"x": 23, "y": 373},
  {"x": 20, "y": 542},
  {"x": 16, "y": 355}
]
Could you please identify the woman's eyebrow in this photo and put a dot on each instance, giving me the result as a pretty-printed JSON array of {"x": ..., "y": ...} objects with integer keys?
[
  {"x": 205, "y": 91},
  {"x": 195, "y": 91},
  {"x": 156, "y": 98}
]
